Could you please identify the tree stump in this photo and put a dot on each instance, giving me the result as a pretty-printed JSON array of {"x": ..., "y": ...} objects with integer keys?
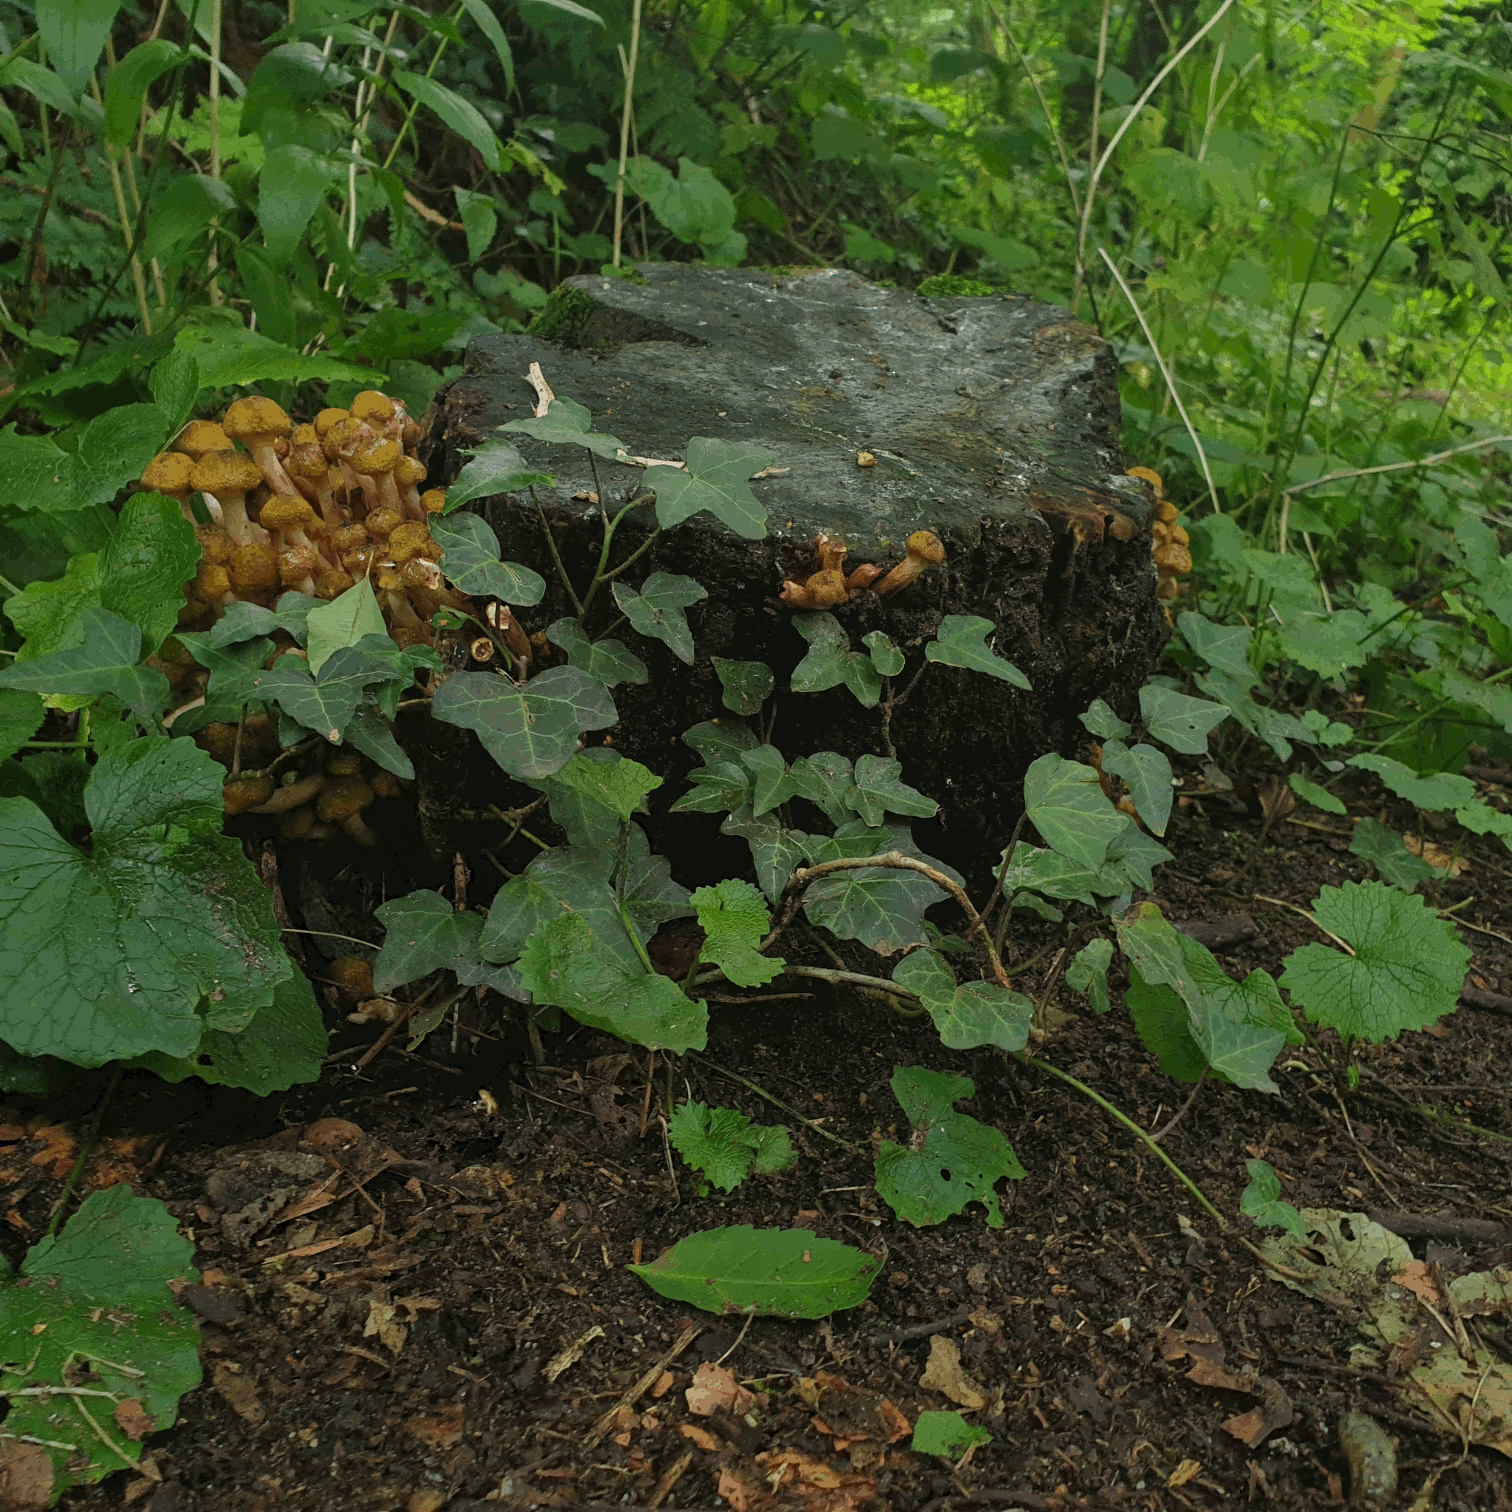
[{"x": 993, "y": 422}]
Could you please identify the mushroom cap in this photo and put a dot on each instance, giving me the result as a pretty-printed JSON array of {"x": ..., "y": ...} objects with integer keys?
[
  {"x": 215, "y": 544},
  {"x": 327, "y": 418},
  {"x": 381, "y": 521},
  {"x": 296, "y": 824},
  {"x": 349, "y": 538},
  {"x": 374, "y": 457},
  {"x": 225, "y": 472},
  {"x": 433, "y": 500},
  {"x": 306, "y": 460},
  {"x": 409, "y": 472},
  {"x": 1165, "y": 511},
  {"x": 343, "y": 798},
  {"x": 352, "y": 977},
  {"x": 296, "y": 563},
  {"x": 168, "y": 472},
  {"x": 238, "y": 794},
  {"x": 418, "y": 572},
  {"x": 332, "y": 584},
  {"x": 385, "y": 784},
  {"x": 343, "y": 761},
  {"x": 285, "y": 512},
  {"x": 254, "y": 569},
  {"x": 304, "y": 435},
  {"x": 255, "y": 419},
  {"x": 390, "y": 581},
  {"x": 201, "y": 436},
  {"x": 374, "y": 408},
  {"x": 211, "y": 582},
  {"x": 411, "y": 539},
  {"x": 360, "y": 560},
  {"x": 926, "y": 544},
  {"x": 344, "y": 437},
  {"x": 1173, "y": 558}
]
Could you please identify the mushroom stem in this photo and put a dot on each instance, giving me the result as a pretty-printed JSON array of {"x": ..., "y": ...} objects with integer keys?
[
  {"x": 292, "y": 796},
  {"x": 925, "y": 549}
]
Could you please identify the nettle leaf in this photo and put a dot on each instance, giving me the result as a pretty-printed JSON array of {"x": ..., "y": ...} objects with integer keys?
[
  {"x": 1388, "y": 853},
  {"x": 735, "y": 919},
  {"x": 21, "y": 716},
  {"x": 1239, "y": 1027},
  {"x": 716, "y": 479},
  {"x": 344, "y": 621},
  {"x": 1066, "y": 804},
  {"x": 608, "y": 662},
  {"x": 1177, "y": 721},
  {"x": 1101, "y": 721},
  {"x": 952, "y": 1158},
  {"x": 1320, "y": 798},
  {"x": 530, "y": 729},
  {"x": 565, "y": 966},
  {"x": 883, "y": 907},
  {"x": 1262, "y": 1201},
  {"x": 1406, "y": 971},
  {"x": 145, "y": 564},
  {"x": 567, "y": 423},
  {"x": 111, "y": 451},
  {"x": 972, "y": 1014},
  {"x": 1147, "y": 773},
  {"x": 1479, "y": 818},
  {"x": 470, "y": 559},
  {"x": 830, "y": 662},
  {"x": 107, "y": 662},
  {"x": 1225, "y": 648},
  {"x": 423, "y": 933},
  {"x": 619, "y": 786},
  {"x": 1088, "y": 973},
  {"x": 110, "y": 955},
  {"x": 94, "y": 1304},
  {"x": 657, "y": 610},
  {"x": 726, "y": 1147},
  {"x": 885, "y": 654},
  {"x": 1438, "y": 790},
  {"x": 579, "y": 800},
  {"x": 879, "y": 789},
  {"x": 50, "y": 613},
  {"x": 947, "y": 1433},
  {"x": 961, "y": 641},
  {"x": 496, "y": 468},
  {"x": 746, "y": 685}
]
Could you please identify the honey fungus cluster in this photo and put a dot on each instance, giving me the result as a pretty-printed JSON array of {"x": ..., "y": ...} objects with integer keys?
[{"x": 1171, "y": 547}]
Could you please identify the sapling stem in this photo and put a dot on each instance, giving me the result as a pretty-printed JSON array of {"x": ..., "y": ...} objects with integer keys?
[
  {"x": 601, "y": 575},
  {"x": 556, "y": 556},
  {"x": 55, "y": 1218}
]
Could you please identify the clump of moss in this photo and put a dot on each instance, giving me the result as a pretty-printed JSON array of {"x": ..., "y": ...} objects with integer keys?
[
  {"x": 954, "y": 286},
  {"x": 564, "y": 317}
]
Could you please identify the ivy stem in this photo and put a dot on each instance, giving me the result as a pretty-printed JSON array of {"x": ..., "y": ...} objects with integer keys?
[
  {"x": 600, "y": 576},
  {"x": 86, "y": 1146},
  {"x": 1128, "y": 1123},
  {"x": 824, "y": 974},
  {"x": 556, "y": 556}
]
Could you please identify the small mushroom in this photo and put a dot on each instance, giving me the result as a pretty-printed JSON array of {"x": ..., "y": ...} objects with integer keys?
[
  {"x": 168, "y": 474},
  {"x": 227, "y": 477},
  {"x": 386, "y": 784},
  {"x": 343, "y": 761},
  {"x": 332, "y": 584},
  {"x": 290, "y": 518},
  {"x": 409, "y": 474},
  {"x": 238, "y": 794},
  {"x": 831, "y": 551},
  {"x": 406, "y": 627},
  {"x": 375, "y": 460},
  {"x": 297, "y": 823},
  {"x": 254, "y": 572},
  {"x": 376, "y": 411},
  {"x": 308, "y": 468},
  {"x": 258, "y": 424},
  {"x": 201, "y": 437},
  {"x": 864, "y": 576},
  {"x": 433, "y": 501},
  {"x": 352, "y": 977},
  {"x": 381, "y": 522},
  {"x": 212, "y": 583},
  {"x": 409, "y": 540},
  {"x": 342, "y": 802},
  {"x": 339, "y": 443},
  {"x": 348, "y": 538},
  {"x": 1173, "y": 559},
  {"x": 293, "y": 794},
  {"x": 924, "y": 549},
  {"x": 824, "y": 590}
]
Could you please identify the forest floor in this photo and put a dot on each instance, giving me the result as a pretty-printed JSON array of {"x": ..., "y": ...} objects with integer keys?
[{"x": 426, "y": 1305}]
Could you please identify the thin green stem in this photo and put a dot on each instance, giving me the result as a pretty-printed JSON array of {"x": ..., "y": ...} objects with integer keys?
[
  {"x": 86, "y": 1146},
  {"x": 53, "y": 745},
  {"x": 776, "y": 1102},
  {"x": 556, "y": 556},
  {"x": 634, "y": 556},
  {"x": 600, "y": 576},
  {"x": 414, "y": 104}
]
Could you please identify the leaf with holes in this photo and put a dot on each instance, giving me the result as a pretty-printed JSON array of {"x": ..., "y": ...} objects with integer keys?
[
  {"x": 657, "y": 610},
  {"x": 107, "y": 662},
  {"x": 830, "y": 662},
  {"x": 746, "y": 684},
  {"x": 968, "y": 1015},
  {"x": 1067, "y": 805},
  {"x": 715, "y": 479},
  {"x": 1147, "y": 774},
  {"x": 470, "y": 560},
  {"x": 606, "y": 661},
  {"x": 879, "y": 789},
  {"x": 567, "y": 423},
  {"x": 725, "y": 1146},
  {"x": 1177, "y": 721},
  {"x": 961, "y": 641},
  {"x": 735, "y": 918}
]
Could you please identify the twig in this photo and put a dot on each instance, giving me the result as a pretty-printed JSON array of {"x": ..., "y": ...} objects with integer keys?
[
  {"x": 625, "y": 113},
  {"x": 776, "y": 1102},
  {"x": 55, "y": 1218},
  {"x": 997, "y": 890},
  {"x": 633, "y": 1393},
  {"x": 1181, "y": 1112},
  {"x": 739, "y": 1338},
  {"x": 1386, "y": 467},
  {"x": 1343, "y": 945}
]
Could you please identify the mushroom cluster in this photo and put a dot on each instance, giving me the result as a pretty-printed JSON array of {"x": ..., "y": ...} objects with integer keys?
[
  {"x": 1171, "y": 548},
  {"x": 830, "y": 586}
]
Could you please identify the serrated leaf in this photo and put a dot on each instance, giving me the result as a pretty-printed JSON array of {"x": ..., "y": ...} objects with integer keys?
[
  {"x": 608, "y": 662},
  {"x": 946, "y": 1433},
  {"x": 1385, "y": 850},
  {"x": 784, "y": 1273},
  {"x": 879, "y": 790},
  {"x": 586, "y": 817},
  {"x": 21, "y": 716},
  {"x": 1147, "y": 774},
  {"x": 567, "y": 423},
  {"x": 110, "y": 452},
  {"x": 620, "y": 786},
  {"x": 656, "y": 610},
  {"x": 49, "y": 613},
  {"x": 725, "y": 1146},
  {"x": 734, "y": 917},
  {"x": 145, "y": 564},
  {"x": 1101, "y": 721},
  {"x": 1088, "y": 973},
  {"x": 830, "y": 662},
  {"x": 1438, "y": 790},
  {"x": 423, "y": 933},
  {"x": 107, "y": 662},
  {"x": 343, "y": 621},
  {"x": 1261, "y": 1200},
  {"x": 1406, "y": 971},
  {"x": 109, "y": 955},
  {"x": 961, "y": 641},
  {"x": 1320, "y": 798},
  {"x": 746, "y": 684},
  {"x": 884, "y": 652},
  {"x": 883, "y": 907},
  {"x": 1177, "y": 721},
  {"x": 470, "y": 560},
  {"x": 496, "y": 468},
  {"x": 715, "y": 479},
  {"x": 1066, "y": 804},
  {"x": 94, "y": 1304},
  {"x": 952, "y": 1158},
  {"x": 968, "y": 1015},
  {"x": 530, "y": 729}
]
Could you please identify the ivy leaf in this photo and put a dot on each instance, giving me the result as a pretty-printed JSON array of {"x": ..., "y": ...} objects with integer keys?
[
  {"x": 530, "y": 729},
  {"x": 746, "y": 684},
  {"x": 1406, "y": 971},
  {"x": 109, "y": 955},
  {"x": 470, "y": 559},
  {"x": 734, "y": 918},
  {"x": 1147, "y": 773},
  {"x": 961, "y": 641},
  {"x": 496, "y": 468},
  {"x": 606, "y": 661},
  {"x": 242, "y": 621},
  {"x": 1088, "y": 973},
  {"x": 952, "y": 1158},
  {"x": 879, "y": 789},
  {"x": 783, "y": 1273},
  {"x": 234, "y": 671},
  {"x": 885, "y": 655},
  {"x": 520, "y": 908},
  {"x": 716, "y": 480},
  {"x": 565, "y": 966},
  {"x": 1261, "y": 1200},
  {"x": 423, "y": 933},
  {"x": 725, "y": 1146},
  {"x": 775, "y": 851},
  {"x": 369, "y": 732},
  {"x": 107, "y": 662},
  {"x": 567, "y": 423},
  {"x": 1067, "y": 805},
  {"x": 657, "y": 610},
  {"x": 620, "y": 786},
  {"x": 21, "y": 716},
  {"x": 972, "y": 1014},
  {"x": 95, "y": 1304},
  {"x": 1177, "y": 721},
  {"x": 1388, "y": 853},
  {"x": 1101, "y": 721},
  {"x": 829, "y": 661},
  {"x": 1225, "y": 648},
  {"x": 342, "y": 622},
  {"x": 718, "y": 739},
  {"x": 1160, "y": 1017},
  {"x": 327, "y": 701},
  {"x": 946, "y": 1433},
  {"x": 1320, "y": 798},
  {"x": 883, "y": 907},
  {"x": 826, "y": 779},
  {"x": 1131, "y": 863},
  {"x": 1438, "y": 790}
]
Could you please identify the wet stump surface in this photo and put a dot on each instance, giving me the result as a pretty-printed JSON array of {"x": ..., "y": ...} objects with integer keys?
[{"x": 994, "y": 422}]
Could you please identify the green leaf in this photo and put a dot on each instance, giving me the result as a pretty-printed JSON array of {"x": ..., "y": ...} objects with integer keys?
[
  {"x": 50, "y": 613},
  {"x": 488, "y": 24},
  {"x": 184, "y": 210},
  {"x": 109, "y": 955},
  {"x": 1479, "y": 818},
  {"x": 369, "y": 732},
  {"x": 496, "y": 468},
  {"x": 718, "y": 739},
  {"x": 343, "y": 621},
  {"x": 657, "y": 610},
  {"x": 1326, "y": 643},
  {"x": 520, "y": 908},
  {"x": 74, "y": 33},
  {"x": 572, "y": 8},
  {"x": 1388, "y": 853},
  {"x": 609, "y": 662},
  {"x": 234, "y": 357},
  {"x": 471, "y": 561},
  {"x": 620, "y": 786},
  {"x": 293, "y": 184},
  {"x": 328, "y": 701},
  {"x": 576, "y": 805},
  {"x": 952, "y": 1158},
  {"x": 883, "y": 907},
  {"x": 747, "y": 685},
  {"x": 1131, "y": 863},
  {"x": 110, "y": 452},
  {"x": 1180, "y": 722},
  {"x": 234, "y": 671},
  {"x": 715, "y": 479},
  {"x": 1320, "y": 798},
  {"x": 961, "y": 641},
  {"x": 1406, "y": 971},
  {"x": 145, "y": 565},
  {"x": 1225, "y": 648},
  {"x": 94, "y": 1305},
  {"x": 1102, "y": 722},
  {"x": 21, "y": 716},
  {"x": 879, "y": 789},
  {"x": 127, "y": 84},
  {"x": 735, "y": 919},
  {"x": 829, "y": 661},
  {"x": 726, "y": 1146},
  {"x": 972, "y": 1014},
  {"x": 826, "y": 779},
  {"x": 175, "y": 384},
  {"x": 1160, "y": 1017},
  {"x": 423, "y": 933},
  {"x": 1066, "y": 804},
  {"x": 1275, "y": 728},
  {"x": 460, "y": 114},
  {"x": 1326, "y": 731},
  {"x": 530, "y": 729},
  {"x": 783, "y": 1273},
  {"x": 1088, "y": 973},
  {"x": 107, "y": 662},
  {"x": 775, "y": 851},
  {"x": 946, "y": 1433},
  {"x": 1438, "y": 790},
  {"x": 1261, "y": 1200},
  {"x": 1147, "y": 773},
  {"x": 884, "y": 652},
  {"x": 567, "y": 423}
]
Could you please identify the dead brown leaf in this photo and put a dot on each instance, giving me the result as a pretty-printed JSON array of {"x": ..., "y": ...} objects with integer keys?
[
  {"x": 943, "y": 1373},
  {"x": 822, "y": 1486},
  {"x": 1416, "y": 1278},
  {"x": 133, "y": 1420},
  {"x": 699, "y": 1436},
  {"x": 739, "y": 1492},
  {"x": 437, "y": 1430},
  {"x": 380, "y": 1322},
  {"x": 26, "y": 1477},
  {"x": 239, "y": 1392},
  {"x": 715, "y": 1389},
  {"x": 1187, "y": 1470},
  {"x": 1200, "y": 1343}
]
